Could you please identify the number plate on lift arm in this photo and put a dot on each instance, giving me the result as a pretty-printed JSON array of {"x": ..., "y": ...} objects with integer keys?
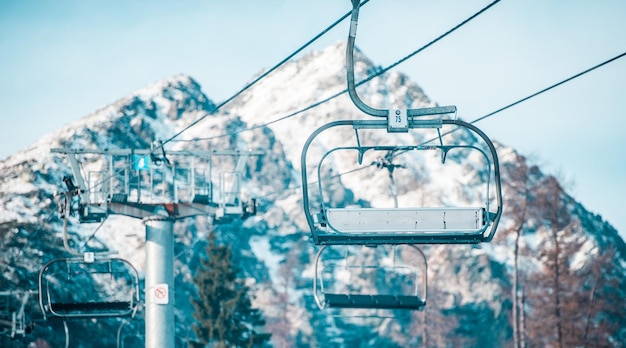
[{"x": 397, "y": 121}]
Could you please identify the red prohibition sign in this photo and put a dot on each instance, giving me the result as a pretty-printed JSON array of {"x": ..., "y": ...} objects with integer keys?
[{"x": 160, "y": 293}]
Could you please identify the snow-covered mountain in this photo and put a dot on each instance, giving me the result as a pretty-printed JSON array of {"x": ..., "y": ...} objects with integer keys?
[{"x": 561, "y": 248}]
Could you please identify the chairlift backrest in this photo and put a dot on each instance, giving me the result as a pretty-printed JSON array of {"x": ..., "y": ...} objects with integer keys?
[{"x": 109, "y": 288}]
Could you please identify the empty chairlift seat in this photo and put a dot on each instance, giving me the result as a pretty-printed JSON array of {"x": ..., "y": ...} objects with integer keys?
[
  {"x": 390, "y": 277},
  {"x": 366, "y": 222},
  {"x": 109, "y": 287}
]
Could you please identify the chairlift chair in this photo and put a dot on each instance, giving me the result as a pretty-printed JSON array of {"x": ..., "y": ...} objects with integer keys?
[
  {"x": 344, "y": 284},
  {"x": 362, "y": 224},
  {"x": 58, "y": 276},
  {"x": 399, "y": 225}
]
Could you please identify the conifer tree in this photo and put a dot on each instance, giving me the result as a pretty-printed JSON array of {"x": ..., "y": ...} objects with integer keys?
[{"x": 223, "y": 310}]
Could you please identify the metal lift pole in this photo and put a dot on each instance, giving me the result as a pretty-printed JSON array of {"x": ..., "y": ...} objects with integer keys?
[{"x": 159, "y": 282}]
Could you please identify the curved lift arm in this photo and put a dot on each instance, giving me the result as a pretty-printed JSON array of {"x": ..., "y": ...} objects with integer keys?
[{"x": 400, "y": 125}]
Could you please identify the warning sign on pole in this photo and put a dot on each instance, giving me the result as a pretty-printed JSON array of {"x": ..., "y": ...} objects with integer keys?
[{"x": 160, "y": 294}]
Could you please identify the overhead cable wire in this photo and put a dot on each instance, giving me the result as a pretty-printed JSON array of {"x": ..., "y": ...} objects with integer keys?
[
  {"x": 266, "y": 73},
  {"x": 453, "y": 29},
  {"x": 282, "y": 118},
  {"x": 544, "y": 90},
  {"x": 40, "y": 227},
  {"x": 92, "y": 236},
  {"x": 367, "y": 79},
  {"x": 551, "y": 87},
  {"x": 521, "y": 100}
]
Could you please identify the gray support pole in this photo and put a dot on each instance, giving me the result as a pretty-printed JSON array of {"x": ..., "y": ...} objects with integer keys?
[{"x": 159, "y": 282}]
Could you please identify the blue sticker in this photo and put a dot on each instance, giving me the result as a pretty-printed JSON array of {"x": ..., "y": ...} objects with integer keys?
[{"x": 141, "y": 162}]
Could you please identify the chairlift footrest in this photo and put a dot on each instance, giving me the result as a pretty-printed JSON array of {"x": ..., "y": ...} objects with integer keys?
[
  {"x": 91, "y": 306},
  {"x": 374, "y": 301},
  {"x": 377, "y": 239}
]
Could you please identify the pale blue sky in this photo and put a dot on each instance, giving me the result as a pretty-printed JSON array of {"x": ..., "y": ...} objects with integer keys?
[{"x": 61, "y": 60}]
